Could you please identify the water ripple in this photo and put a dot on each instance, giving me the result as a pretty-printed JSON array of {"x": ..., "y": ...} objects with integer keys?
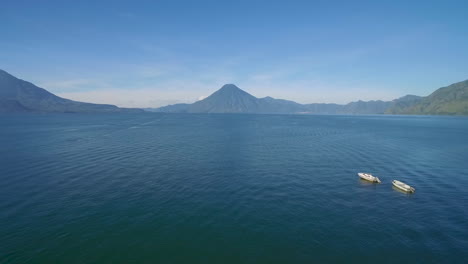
[{"x": 232, "y": 188}]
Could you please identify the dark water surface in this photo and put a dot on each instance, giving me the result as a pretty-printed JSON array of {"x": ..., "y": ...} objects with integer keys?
[{"x": 170, "y": 188}]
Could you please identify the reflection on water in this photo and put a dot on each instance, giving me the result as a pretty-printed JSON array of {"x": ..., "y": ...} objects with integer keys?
[
  {"x": 367, "y": 183},
  {"x": 401, "y": 191}
]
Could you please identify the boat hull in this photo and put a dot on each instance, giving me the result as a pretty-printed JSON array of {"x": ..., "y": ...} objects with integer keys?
[
  {"x": 403, "y": 187},
  {"x": 368, "y": 177}
]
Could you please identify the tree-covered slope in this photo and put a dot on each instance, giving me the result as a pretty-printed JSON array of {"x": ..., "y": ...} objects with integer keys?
[{"x": 450, "y": 100}]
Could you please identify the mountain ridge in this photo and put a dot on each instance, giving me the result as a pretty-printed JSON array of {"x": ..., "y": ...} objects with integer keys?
[
  {"x": 19, "y": 96},
  {"x": 231, "y": 99},
  {"x": 449, "y": 100}
]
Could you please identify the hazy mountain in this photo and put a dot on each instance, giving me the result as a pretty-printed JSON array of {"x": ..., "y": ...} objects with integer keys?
[
  {"x": 354, "y": 108},
  {"x": 450, "y": 100},
  {"x": 228, "y": 99},
  {"x": 369, "y": 107},
  {"x": 175, "y": 108},
  {"x": 401, "y": 103},
  {"x": 271, "y": 105},
  {"x": 17, "y": 95},
  {"x": 231, "y": 99}
]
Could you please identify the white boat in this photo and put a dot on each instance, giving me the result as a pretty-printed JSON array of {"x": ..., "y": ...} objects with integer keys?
[
  {"x": 403, "y": 186},
  {"x": 368, "y": 177}
]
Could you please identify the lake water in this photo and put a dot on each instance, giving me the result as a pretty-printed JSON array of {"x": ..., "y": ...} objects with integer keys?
[{"x": 180, "y": 188}]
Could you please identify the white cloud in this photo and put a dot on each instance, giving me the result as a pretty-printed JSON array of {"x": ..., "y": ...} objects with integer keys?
[
  {"x": 73, "y": 85},
  {"x": 131, "y": 98}
]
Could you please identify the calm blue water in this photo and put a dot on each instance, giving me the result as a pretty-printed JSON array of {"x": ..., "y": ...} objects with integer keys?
[{"x": 169, "y": 188}]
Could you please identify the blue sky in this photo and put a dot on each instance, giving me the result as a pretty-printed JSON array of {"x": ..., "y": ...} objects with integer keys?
[{"x": 153, "y": 53}]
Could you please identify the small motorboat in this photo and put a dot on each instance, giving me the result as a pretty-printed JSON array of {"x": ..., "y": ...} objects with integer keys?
[
  {"x": 403, "y": 186},
  {"x": 368, "y": 177}
]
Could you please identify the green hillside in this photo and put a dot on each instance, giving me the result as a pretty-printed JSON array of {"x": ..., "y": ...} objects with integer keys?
[{"x": 450, "y": 100}]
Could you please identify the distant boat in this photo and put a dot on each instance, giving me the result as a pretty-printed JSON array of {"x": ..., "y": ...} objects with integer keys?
[
  {"x": 368, "y": 177},
  {"x": 403, "y": 186}
]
